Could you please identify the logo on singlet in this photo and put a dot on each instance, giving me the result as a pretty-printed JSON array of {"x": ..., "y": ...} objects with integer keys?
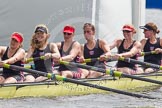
[
  {"x": 91, "y": 52},
  {"x": 151, "y": 48},
  {"x": 41, "y": 53}
]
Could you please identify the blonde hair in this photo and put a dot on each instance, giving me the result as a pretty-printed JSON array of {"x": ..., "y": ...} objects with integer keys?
[
  {"x": 34, "y": 43},
  {"x": 154, "y": 27}
]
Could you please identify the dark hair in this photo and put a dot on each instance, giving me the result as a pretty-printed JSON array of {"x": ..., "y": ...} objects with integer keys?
[{"x": 89, "y": 25}]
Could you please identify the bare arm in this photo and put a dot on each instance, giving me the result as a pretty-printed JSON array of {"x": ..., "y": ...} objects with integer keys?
[
  {"x": 105, "y": 47},
  {"x": 81, "y": 50},
  {"x": 29, "y": 53},
  {"x": 73, "y": 53},
  {"x": 55, "y": 52},
  {"x": 115, "y": 43},
  {"x": 2, "y": 50},
  {"x": 19, "y": 56},
  {"x": 159, "y": 50},
  {"x": 143, "y": 42},
  {"x": 58, "y": 45},
  {"x": 135, "y": 50}
]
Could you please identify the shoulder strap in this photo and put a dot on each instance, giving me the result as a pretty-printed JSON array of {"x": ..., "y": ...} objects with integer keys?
[
  {"x": 5, "y": 53},
  {"x": 71, "y": 45},
  {"x": 62, "y": 44},
  {"x": 122, "y": 43}
]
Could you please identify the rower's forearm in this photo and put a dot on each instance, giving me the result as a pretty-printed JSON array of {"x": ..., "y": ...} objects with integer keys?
[
  {"x": 128, "y": 54},
  {"x": 67, "y": 58},
  {"x": 55, "y": 55}
]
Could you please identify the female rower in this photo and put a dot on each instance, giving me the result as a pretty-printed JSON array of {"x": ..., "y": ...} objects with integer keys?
[
  {"x": 41, "y": 47},
  {"x": 69, "y": 50},
  {"x": 151, "y": 43},
  {"x": 94, "y": 48},
  {"x": 13, "y": 54},
  {"x": 127, "y": 48}
]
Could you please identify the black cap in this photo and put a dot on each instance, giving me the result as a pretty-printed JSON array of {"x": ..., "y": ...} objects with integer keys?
[
  {"x": 148, "y": 27},
  {"x": 40, "y": 29}
]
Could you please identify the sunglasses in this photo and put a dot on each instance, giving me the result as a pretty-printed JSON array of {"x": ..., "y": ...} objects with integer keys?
[
  {"x": 126, "y": 31},
  {"x": 146, "y": 30},
  {"x": 67, "y": 33},
  {"x": 86, "y": 32}
]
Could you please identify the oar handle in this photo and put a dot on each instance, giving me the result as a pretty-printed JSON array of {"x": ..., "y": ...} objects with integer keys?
[
  {"x": 91, "y": 60},
  {"x": 147, "y": 53},
  {"x": 34, "y": 59},
  {"x": 97, "y": 59}
]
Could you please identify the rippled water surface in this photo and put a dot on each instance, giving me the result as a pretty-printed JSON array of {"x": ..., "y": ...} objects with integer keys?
[{"x": 87, "y": 101}]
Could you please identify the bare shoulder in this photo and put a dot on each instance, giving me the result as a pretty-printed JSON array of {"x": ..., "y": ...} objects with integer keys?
[
  {"x": 82, "y": 45},
  {"x": 118, "y": 42},
  {"x": 101, "y": 41},
  {"x": 52, "y": 44},
  {"x": 138, "y": 43},
  {"x": 58, "y": 44},
  {"x": 143, "y": 41},
  {"x": 2, "y": 49},
  {"x": 76, "y": 43},
  {"x": 160, "y": 39},
  {"x": 161, "y": 42},
  {"x": 22, "y": 50}
]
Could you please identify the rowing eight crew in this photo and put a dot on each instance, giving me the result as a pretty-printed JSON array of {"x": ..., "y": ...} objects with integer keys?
[{"x": 71, "y": 50}]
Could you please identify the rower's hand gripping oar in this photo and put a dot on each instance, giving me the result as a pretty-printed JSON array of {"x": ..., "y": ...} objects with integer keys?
[
  {"x": 34, "y": 59},
  {"x": 98, "y": 59},
  {"x": 89, "y": 59},
  {"x": 60, "y": 78},
  {"x": 110, "y": 72},
  {"x": 112, "y": 59},
  {"x": 147, "y": 53}
]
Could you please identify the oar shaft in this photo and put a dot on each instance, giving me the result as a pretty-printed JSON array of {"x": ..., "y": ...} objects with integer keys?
[
  {"x": 142, "y": 79},
  {"x": 108, "y": 89},
  {"x": 27, "y": 70},
  {"x": 129, "y": 60},
  {"x": 83, "y": 66}
]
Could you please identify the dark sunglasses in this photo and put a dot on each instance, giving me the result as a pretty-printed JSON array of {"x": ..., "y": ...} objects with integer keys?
[
  {"x": 86, "y": 32},
  {"x": 126, "y": 31},
  {"x": 146, "y": 30},
  {"x": 67, "y": 33}
]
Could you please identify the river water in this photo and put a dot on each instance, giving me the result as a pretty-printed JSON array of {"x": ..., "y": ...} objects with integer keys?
[
  {"x": 88, "y": 101},
  {"x": 94, "y": 101}
]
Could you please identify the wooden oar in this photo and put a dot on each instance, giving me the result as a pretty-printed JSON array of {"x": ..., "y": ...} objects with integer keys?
[
  {"x": 129, "y": 60},
  {"x": 110, "y": 72},
  {"x": 60, "y": 78}
]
